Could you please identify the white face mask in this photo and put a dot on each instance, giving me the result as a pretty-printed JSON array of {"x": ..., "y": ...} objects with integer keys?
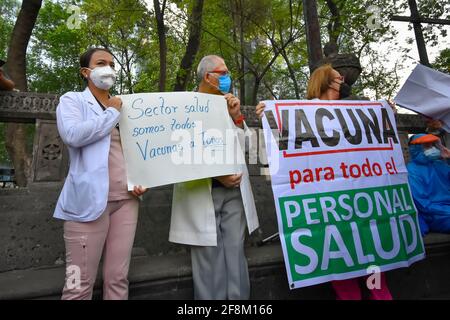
[
  {"x": 103, "y": 77},
  {"x": 433, "y": 153}
]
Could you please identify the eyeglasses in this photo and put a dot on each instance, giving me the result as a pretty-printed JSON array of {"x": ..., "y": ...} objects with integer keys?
[{"x": 221, "y": 72}]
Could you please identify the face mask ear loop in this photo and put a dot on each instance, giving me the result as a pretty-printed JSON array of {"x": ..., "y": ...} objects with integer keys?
[
  {"x": 214, "y": 86},
  {"x": 87, "y": 68},
  {"x": 334, "y": 88},
  {"x": 331, "y": 83}
]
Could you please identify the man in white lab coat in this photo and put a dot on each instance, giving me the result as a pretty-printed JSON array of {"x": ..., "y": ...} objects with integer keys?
[{"x": 211, "y": 215}]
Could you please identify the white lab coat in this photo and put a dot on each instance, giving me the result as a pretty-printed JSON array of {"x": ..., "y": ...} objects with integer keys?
[
  {"x": 193, "y": 220},
  {"x": 86, "y": 130}
]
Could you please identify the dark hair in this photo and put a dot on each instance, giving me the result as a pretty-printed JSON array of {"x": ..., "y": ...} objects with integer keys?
[{"x": 85, "y": 58}]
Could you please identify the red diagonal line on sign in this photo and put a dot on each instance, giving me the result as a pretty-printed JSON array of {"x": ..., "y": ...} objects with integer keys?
[
  {"x": 292, "y": 104},
  {"x": 302, "y": 154}
]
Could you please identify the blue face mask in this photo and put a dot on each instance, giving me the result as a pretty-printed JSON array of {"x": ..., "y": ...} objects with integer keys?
[
  {"x": 225, "y": 84},
  {"x": 433, "y": 153}
]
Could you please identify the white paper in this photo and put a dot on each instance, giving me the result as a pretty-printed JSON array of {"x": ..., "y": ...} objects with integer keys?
[
  {"x": 175, "y": 137},
  {"x": 427, "y": 92}
]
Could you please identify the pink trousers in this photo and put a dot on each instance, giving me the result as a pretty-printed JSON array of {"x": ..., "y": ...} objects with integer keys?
[
  {"x": 349, "y": 289},
  {"x": 111, "y": 234}
]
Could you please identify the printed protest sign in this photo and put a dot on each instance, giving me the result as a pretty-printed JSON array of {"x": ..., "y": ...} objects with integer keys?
[
  {"x": 176, "y": 137},
  {"x": 341, "y": 189}
]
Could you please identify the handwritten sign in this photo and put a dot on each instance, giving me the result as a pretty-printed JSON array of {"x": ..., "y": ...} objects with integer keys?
[{"x": 175, "y": 137}]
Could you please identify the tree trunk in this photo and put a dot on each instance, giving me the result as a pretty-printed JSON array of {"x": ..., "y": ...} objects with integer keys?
[
  {"x": 334, "y": 26},
  {"x": 260, "y": 75},
  {"x": 291, "y": 73},
  {"x": 255, "y": 91},
  {"x": 195, "y": 26},
  {"x": 312, "y": 33},
  {"x": 421, "y": 47},
  {"x": 127, "y": 63},
  {"x": 129, "y": 75},
  {"x": 16, "y": 137},
  {"x": 236, "y": 14},
  {"x": 159, "y": 15},
  {"x": 240, "y": 10}
]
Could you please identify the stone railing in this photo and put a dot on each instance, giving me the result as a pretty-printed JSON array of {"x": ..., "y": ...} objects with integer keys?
[
  {"x": 50, "y": 159},
  {"x": 29, "y": 237},
  {"x": 27, "y": 107}
]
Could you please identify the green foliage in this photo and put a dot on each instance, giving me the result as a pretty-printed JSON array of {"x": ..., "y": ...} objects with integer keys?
[
  {"x": 263, "y": 42},
  {"x": 124, "y": 26},
  {"x": 9, "y": 10},
  {"x": 438, "y": 9},
  {"x": 442, "y": 62},
  {"x": 55, "y": 49}
]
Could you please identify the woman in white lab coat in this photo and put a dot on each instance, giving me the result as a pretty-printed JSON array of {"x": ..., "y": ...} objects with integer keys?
[{"x": 99, "y": 213}]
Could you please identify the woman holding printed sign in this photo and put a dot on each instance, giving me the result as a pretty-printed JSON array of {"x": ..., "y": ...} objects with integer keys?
[
  {"x": 99, "y": 213},
  {"x": 327, "y": 84}
]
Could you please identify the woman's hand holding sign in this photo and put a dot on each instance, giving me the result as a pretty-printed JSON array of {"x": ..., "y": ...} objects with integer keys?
[
  {"x": 115, "y": 102},
  {"x": 138, "y": 191}
]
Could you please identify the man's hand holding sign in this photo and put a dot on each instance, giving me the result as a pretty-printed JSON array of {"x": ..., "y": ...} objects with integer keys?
[{"x": 234, "y": 109}]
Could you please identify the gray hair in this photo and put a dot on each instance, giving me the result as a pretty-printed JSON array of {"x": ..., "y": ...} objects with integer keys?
[{"x": 207, "y": 64}]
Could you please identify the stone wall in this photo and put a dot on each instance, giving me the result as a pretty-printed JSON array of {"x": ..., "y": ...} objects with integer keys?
[{"x": 30, "y": 237}]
